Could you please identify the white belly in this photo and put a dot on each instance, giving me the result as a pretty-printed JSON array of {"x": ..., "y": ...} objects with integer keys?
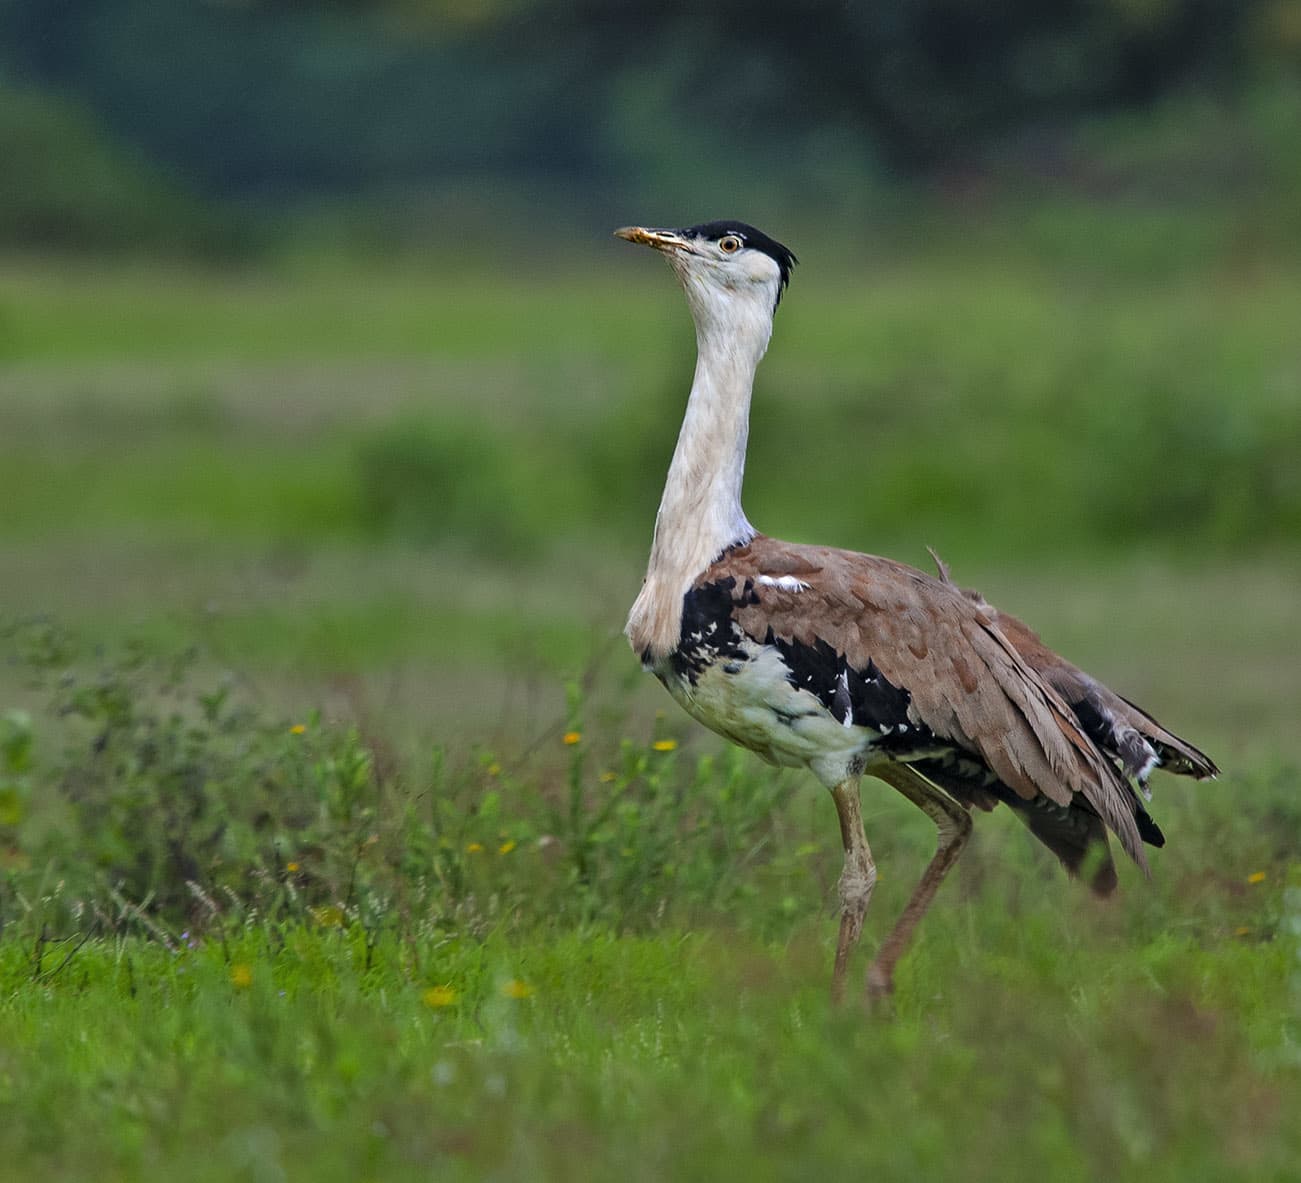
[{"x": 750, "y": 700}]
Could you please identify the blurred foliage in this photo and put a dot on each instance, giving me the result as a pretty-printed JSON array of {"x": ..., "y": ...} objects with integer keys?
[
  {"x": 518, "y": 86},
  {"x": 263, "y": 100},
  {"x": 173, "y": 804},
  {"x": 809, "y": 105},
  {"x": 451, "y": 482},
  {"x": 68, "y": 183},
  {"x": 1172, "y": 462},
  {"x": 926, "y": 82},
  {"x": 976, "y": 400},
  {"x": 161, "y": 797}
]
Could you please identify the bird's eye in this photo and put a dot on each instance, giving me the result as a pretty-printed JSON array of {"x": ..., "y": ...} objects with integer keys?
[{"x": 729, "y": 244}]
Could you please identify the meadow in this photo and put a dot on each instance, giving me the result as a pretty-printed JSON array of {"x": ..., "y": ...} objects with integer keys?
[{"x": 341, "y": 836}]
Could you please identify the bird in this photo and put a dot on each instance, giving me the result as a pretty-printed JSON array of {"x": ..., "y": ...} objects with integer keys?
[{"x": 852, "y": 665}]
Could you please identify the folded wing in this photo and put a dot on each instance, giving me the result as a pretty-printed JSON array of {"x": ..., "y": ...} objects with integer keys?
[{"x": 991, "y": 713}]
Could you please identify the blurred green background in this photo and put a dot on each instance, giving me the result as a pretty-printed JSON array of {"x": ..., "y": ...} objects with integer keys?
[{"x": 314, "y": 345}]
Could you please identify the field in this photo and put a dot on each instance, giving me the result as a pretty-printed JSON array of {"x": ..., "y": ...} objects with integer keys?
[{"x": 342, "y": 838}]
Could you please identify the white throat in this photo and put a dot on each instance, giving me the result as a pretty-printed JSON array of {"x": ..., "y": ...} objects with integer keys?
[{"x": 700, "y": 513}]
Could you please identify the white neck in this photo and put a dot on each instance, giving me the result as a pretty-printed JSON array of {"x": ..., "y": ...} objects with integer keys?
[{"x": 700, "y": 513}]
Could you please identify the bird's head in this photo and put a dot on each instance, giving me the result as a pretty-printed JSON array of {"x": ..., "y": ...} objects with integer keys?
[{"x": 726, "y": 268}]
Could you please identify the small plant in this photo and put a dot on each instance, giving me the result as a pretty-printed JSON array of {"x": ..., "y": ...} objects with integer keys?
[
  {"x": 158, "y": 799},
  {"x": 15, "y": 783},
  {"x": 175, "y": 806}
]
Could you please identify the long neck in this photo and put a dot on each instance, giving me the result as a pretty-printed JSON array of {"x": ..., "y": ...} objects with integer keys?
[{"x": 700, "y": 513}]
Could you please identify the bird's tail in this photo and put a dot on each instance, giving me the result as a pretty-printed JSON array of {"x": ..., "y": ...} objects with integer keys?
[{"x": 1122, "y": 731}]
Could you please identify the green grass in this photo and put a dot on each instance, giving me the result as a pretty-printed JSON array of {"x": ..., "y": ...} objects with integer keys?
[
  {"x": 252, "y": 441},
  {"x": 405, "y": 513},
  {"x": 295, "y": 1052},
  {"x": 235, "y": 948},
  {"x": 959, "y": 404}
]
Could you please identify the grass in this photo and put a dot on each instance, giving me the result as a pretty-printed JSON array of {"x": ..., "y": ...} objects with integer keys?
[
  {"x": 299, "y": 877},
  {"x": 293, "y": 1052},
  {"x": 457, "y": 394},
  {"x": 407, "y": 481},
  {"x": 239, "y": 949},
  {"x": 607, "y": 959}
]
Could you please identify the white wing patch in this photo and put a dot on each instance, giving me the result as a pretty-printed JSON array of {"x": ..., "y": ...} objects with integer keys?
[
  {"x": 1149, "y": 764},
  {"x": 843, "y": 693},
  {"x": 784, "y": 582}
]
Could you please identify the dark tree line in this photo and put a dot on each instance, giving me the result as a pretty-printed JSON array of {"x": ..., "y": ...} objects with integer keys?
[
  {"x": 921, "y": 79},
  {"x": 275, "y": 96}
]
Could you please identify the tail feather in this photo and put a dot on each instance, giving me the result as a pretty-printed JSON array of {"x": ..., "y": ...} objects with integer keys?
[
  {"x": 1118, "y": 726},
  {"x": 1073, "y": 834},
  {"x": 1123, "y": 731},
  {"x": 1177, "y": 755}
]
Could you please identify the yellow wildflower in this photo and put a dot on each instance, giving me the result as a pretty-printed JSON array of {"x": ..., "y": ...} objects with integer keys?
[
  {"x": 297, "y": 729},
  {"x": 1256, "y": 877},
  {"x": 517, "y": 989},
  {"x": 665, "y": 745},
  {"x": 572, "y": 737},
  {"x": 506, "y": 847},
  {"x": 494, "y": 769},
  {"x": 241, "y": 976},
  {"x": 437, "y": 997},
  {"x": 474, "y": 848},
  {"x": 292, "y": 867}
]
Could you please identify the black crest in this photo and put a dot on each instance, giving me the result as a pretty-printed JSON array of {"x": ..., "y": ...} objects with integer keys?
[{"x": 757, "y": 240}]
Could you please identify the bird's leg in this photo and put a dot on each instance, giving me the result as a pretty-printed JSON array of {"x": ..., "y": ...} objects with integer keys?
[
  {"x": 856, "y": 880},
  {"x": 954, "y": 824}
]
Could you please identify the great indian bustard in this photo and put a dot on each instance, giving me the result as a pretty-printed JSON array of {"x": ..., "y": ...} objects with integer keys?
[{"x": 848, "y": 664}]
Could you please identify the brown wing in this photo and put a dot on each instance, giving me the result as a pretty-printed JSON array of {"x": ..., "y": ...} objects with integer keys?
[
  {"x": 1115, "y": 723},
  {"x": 964, "y": 681},
  {"x": 1121, "y": 728}
]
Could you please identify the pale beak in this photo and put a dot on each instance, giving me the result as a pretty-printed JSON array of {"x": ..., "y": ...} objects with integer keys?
[{"x": 661, "y": 240}]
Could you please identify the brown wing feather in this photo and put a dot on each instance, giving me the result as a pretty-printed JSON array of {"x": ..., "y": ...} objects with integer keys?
[
  {"x": 1124, "y": 729},
  {"x": 968, "y": 684}
]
